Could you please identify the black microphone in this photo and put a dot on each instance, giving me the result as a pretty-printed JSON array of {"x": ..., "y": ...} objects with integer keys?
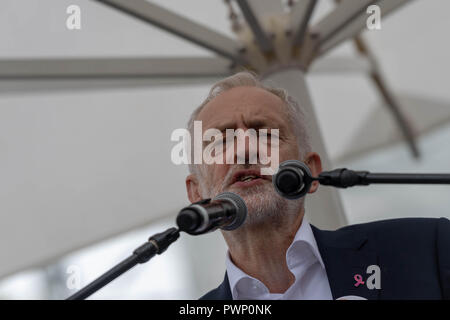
[
  {"x": 293, "y": 179},
  {"x": 227, "y": 211}
]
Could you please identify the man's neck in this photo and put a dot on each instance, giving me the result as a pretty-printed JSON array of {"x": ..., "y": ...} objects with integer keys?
[{"x": 260, "y": 251}]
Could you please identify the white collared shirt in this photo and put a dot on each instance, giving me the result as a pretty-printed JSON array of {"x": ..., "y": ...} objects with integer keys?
[{"x": 303, "y": 260}]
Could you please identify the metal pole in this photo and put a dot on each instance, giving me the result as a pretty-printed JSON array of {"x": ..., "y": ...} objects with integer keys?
[{"x": 324, "y": 208}]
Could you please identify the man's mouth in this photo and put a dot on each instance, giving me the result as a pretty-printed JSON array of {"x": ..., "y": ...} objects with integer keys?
[{"x": 247, "y": 178}]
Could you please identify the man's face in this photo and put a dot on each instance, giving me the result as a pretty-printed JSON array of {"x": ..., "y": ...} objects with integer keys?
[{"x": 245, "y": 108}]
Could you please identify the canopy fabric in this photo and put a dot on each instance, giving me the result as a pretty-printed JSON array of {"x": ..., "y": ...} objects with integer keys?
[{"x": 78, "y": 166}]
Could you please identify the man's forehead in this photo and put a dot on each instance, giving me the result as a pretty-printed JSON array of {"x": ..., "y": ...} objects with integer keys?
[{"x": 251, "y": 102}]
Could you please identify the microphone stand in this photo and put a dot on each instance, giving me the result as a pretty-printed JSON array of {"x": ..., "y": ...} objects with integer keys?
[
  {"x": 344, "y": 178},
  {"x": 156, "y": 244},
  {"x": 200, "y": 217}
]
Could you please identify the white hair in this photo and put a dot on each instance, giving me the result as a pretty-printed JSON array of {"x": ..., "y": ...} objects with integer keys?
[{"x": 294, "y": 111}]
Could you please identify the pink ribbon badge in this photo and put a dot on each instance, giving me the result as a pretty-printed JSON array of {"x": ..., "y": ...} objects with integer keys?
[{"x": 358, "y": 280}]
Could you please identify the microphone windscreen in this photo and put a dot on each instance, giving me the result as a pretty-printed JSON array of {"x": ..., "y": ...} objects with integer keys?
[
  {"x": 188, "y": 220},
  {"x": 289, "y": 181},
  {"x": 240, "y": 206}
]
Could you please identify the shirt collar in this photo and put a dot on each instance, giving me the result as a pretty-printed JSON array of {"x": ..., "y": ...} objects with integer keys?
[{"x": 304, "y": 235}]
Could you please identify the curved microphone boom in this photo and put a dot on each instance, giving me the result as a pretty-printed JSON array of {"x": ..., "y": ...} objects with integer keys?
[
  {"x": 227, "y": 211},
  {"x": 293, "y": 179}
]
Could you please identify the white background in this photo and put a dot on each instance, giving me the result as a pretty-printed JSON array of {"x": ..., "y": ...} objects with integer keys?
[{"x": 85, "y": 161}]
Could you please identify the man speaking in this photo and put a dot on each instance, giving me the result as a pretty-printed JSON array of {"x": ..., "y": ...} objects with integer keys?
[{"x": 276, "y": 253}]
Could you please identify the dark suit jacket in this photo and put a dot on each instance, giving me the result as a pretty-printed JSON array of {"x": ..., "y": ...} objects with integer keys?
[{"x": 412, "y": 253}]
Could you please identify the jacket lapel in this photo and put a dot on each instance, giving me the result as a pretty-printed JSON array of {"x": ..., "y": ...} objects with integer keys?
[
  {"x": 224, "y": 289},
  {"x": 346, "y": 254},
  {"x": 222, "y": 292}
]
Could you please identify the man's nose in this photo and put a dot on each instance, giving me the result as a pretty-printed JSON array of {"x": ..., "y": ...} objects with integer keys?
[{"x": 245, "y": 146}]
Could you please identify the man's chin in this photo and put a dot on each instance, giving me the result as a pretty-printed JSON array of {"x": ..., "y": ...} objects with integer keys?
[
  {"x": 257, "y": 197},
  {"x": 247, "y": 192},
  {"x": 264, "y": 205}
]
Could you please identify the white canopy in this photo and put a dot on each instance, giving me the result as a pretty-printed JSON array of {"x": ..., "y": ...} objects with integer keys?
[{"x": 84, "y": 159}]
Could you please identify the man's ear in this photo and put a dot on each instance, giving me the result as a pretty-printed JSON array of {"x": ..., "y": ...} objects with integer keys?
[
  {"x": 313, "y": 161},
  {"x": 192, "y": 188}
]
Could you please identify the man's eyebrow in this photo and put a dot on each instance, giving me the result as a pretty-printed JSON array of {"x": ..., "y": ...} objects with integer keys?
[
  {"x": 257, "y": 123},
  {"x": 223, "y": 127},
  {"x": 262, "y": 123}
]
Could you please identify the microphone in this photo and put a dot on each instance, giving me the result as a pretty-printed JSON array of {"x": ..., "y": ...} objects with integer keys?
[
  {"x": 227, "y": 211},
  {"x": 293, "y": 179}
]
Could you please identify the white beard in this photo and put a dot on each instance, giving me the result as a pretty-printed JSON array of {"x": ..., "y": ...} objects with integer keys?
[{"x": 264, "y": 204}]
